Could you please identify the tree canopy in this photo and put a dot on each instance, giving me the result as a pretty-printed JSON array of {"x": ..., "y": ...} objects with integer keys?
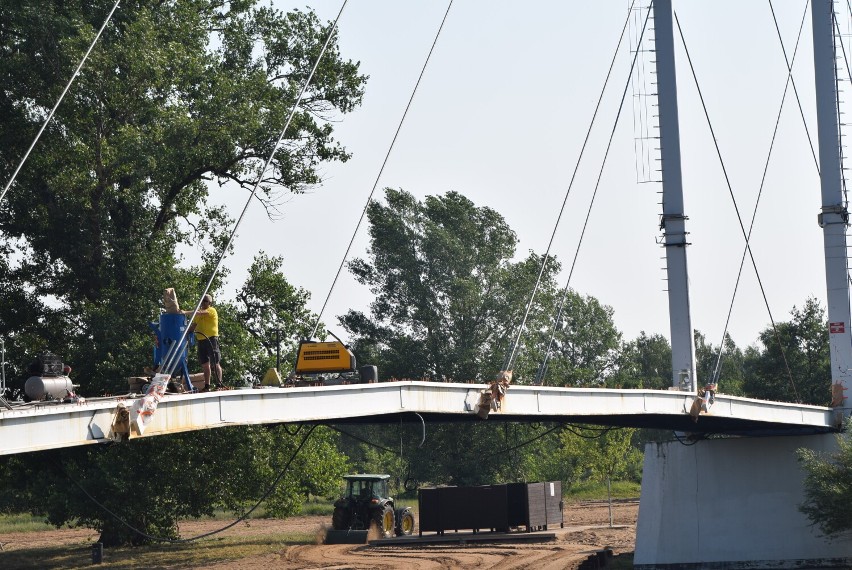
[{"x": 178, "y": 99}]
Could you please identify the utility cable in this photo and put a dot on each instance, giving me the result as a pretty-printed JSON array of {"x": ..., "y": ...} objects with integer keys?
[
  {"x": 509, "y": 361},
  {"x": 381, "y": 170},
  {"x": 62, "y": 96},
  {"x": 172, "y": 356},
  {"x": 736, "y": 208},
  {"x": 206, "y": 534},
  {"x": 718, "y": 368},
  {"x": 543, "y": 366}
]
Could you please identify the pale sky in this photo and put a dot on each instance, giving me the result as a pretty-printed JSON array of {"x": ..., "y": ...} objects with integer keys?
[{"x": 500, "y": 117}]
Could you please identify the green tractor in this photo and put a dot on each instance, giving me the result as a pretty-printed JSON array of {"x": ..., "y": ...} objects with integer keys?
[{"x": 365, "y": 504}]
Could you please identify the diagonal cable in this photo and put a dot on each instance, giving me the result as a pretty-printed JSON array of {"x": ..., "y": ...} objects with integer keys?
[
  {"x": 62, "y": 96},
  {"x": 543, "y": 366},
  {"x": 381, "y": 170},
  {"x": 509, "y": 361},
  {"x": 718, "y": 368},
  {"x": 736, "y": 208}
]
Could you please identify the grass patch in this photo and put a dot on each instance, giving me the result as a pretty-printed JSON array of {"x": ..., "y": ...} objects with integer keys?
[
  {"x": 595, "y": 491},
  {"x": 318, "y": 506},
  {"x": 186, "y": 555},
  {"x": 23, "y": 522}
]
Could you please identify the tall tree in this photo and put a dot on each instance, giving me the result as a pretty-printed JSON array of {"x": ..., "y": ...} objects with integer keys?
[
  {"x": 646, "y": 363},
  {"x": 586, "y": 345},
  {"x": 176, "y": 97},
  {"x": 448, "y": 296},
  {"x": 273, "y": 313},
  {"x": 801, "y": 372},
  {"x": 730, "y": 364}
]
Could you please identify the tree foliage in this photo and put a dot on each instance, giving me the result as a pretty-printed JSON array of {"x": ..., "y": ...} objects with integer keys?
[
  {"x": 175, "y": 97},
  {"x": 177, "y": 100},
  {"x": 587, "y": 348},
  {"x": 828, "y": 486},
  {"x": 799, "y": 373},
  {"x": 447, "y": 294},
  {"x": 146, "y": 487}
]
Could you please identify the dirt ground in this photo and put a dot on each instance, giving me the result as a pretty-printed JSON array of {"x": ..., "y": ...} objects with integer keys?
[{"x": 586, "y": 530}]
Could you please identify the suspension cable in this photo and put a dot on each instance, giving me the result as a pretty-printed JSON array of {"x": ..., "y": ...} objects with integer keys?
[
  {"x": 172, "y": 356},
  {"x": 718, "y": 368},
  {"x": 206, "y": 534},
  {"x": 543, "y": 366},
  {"x": 381, "y": 170},
  {"x": 509, "y": 361},
  {"x": 736, "y": 208},
  {"x": 62, "y": 96}
]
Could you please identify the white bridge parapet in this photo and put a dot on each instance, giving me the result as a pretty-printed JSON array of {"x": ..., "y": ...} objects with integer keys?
[{"x": 33, "y": 427}]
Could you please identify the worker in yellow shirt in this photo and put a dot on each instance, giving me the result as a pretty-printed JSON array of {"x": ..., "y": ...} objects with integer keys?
[{"x": 206, "y": 328}]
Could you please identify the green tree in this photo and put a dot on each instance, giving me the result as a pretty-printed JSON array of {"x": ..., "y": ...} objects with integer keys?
[
  {"x": 802, "y": 372},
  {"x": 586, "y": 347},
  {"x": 449, "y": 298},
  {"x": 646, "y": 362},
  {"x": 447, "y": 295},
  {"x": 610, "y": 456},
  {"x": 176, "y": 98},
  {"x": 730, "y": 363},
  {"x": 151, "y": 484},
  {"x": 273, "y": 313},
  {"x": 828, "y": 486}
]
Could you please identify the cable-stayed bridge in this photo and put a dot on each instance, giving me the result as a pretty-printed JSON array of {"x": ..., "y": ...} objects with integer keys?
[{"x": 40, "y": 426}]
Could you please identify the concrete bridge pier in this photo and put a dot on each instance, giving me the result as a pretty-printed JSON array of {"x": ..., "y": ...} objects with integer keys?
[{"x": 731, "y": 503}]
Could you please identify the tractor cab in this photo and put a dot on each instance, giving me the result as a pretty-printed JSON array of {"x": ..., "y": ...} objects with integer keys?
[{"x": 367, "y": 487}]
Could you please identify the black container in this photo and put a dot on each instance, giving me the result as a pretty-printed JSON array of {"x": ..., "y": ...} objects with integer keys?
[
  {"x": 491, "y": 507},
  {"x": 97, "y": 553}
]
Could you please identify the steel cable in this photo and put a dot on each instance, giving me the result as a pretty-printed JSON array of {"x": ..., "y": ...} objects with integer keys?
[
  {"x": 381, "y": 170},
  {"x": 507, "y": 365},
  {"x": 171, "y": 358},
  {"x": 543, "y": 366},
  {"x": 718, "y": 368},
  {"x": 61, "y": 97},
  {"x": 736, "y": 208}
]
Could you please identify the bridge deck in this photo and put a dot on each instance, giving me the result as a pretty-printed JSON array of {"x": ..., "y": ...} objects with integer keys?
[{"x": 33, "y": 427}]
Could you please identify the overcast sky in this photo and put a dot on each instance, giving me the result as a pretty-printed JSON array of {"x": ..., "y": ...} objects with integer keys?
[{"x": 501, "y": 115}]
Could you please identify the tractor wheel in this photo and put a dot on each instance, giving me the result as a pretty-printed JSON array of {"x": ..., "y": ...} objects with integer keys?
[
  {"x": 404, "y": 522},
  {"x": 339, "y": 519},
  {"x": 384, "y": 520}
]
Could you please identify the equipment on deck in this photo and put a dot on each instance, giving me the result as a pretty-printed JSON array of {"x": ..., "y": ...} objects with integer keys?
[
  {"x": 367, "y": 504},
  {"x": 330, "y": 363},
  {"x": 167, "y": 332},
  {"x": 48, "y": 379}
]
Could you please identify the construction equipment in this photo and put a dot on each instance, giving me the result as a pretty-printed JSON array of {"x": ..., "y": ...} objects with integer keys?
[
  {"x": 366, "y": 504},
  {"x": 329, "y": 363}
]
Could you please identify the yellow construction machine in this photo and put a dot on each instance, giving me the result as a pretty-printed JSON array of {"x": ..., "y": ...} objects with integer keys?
[{"x": 329, "y": 363}]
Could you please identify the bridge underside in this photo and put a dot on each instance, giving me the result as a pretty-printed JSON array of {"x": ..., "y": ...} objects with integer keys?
[
  {"x": 45, "y": 426},
  {"x": 706, "y": 426}
]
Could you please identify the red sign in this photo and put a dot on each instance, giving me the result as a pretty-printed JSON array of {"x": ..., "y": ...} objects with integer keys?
[{"x": 836, "y": 328}]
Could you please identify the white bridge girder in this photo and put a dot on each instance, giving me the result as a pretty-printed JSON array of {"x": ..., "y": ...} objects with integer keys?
[{"x": 47, "y": 426}]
